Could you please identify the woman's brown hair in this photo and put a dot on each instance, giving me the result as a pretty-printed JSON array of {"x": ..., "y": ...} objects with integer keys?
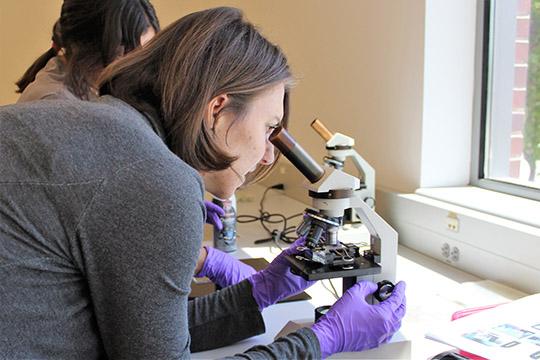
[{"x": 189, "y": 63}]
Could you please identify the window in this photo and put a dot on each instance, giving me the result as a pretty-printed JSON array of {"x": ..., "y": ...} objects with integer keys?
[{"x": 506, "y": 151}]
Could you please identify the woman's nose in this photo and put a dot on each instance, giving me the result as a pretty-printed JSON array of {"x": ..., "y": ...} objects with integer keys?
[{"x": 269, "y": 156}]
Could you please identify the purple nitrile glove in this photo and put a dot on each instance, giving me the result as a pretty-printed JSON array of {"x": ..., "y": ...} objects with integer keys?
[
  {"x": 276, "y": 282},
  {"x": 213, "y": 212},
  {"x": 223, "y": 269},
  {"x": 351, "y": 324}
]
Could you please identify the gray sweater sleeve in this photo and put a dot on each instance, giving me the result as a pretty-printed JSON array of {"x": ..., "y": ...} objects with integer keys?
[
  {"x": 231, "y": 314},
  {"x": 224, "y": 317},
  {"x": 301, "y": 344}
]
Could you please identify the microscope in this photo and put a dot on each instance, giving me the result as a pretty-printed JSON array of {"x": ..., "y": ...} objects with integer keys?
[{"x": 333, "y": 192}]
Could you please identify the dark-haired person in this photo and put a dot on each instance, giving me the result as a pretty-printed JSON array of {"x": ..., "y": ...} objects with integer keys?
[
  {"x": 88, "y": 36},
  {"x": 102, "y": 213}
]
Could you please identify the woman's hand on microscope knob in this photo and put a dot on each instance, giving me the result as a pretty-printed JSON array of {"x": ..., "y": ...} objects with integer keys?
[{"x": 352, "y": 324}]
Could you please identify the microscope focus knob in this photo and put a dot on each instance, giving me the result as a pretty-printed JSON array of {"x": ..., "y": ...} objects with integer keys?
[{"x": 384, "y": 290}]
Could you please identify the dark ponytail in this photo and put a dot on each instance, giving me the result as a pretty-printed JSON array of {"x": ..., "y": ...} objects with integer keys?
[{"x": 30, "y": 74}]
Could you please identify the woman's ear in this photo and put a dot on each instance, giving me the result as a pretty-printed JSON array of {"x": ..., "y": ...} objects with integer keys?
[{"x": 213, "y": 109}]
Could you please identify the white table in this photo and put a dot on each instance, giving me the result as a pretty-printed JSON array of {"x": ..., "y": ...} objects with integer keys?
[{"x": 434, "y": 290}]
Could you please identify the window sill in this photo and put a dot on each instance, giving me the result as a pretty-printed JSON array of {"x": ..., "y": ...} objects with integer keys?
[{"x": 505, "y": 206}]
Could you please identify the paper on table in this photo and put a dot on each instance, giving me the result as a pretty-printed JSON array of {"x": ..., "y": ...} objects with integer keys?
[{"x": 510, "y": 331}]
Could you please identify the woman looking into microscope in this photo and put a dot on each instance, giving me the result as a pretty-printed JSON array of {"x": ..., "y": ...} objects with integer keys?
[{"x": 102, "y": 207}]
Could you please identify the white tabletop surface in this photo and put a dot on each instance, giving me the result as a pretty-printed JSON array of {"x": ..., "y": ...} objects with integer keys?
[{"x": 434, "y": 290}]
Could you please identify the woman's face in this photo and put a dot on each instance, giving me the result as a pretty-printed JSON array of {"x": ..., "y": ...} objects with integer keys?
[{"x": 246, "y": 139}]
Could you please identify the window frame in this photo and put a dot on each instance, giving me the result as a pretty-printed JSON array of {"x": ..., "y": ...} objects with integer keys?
[{"x": 484, "y": 94}]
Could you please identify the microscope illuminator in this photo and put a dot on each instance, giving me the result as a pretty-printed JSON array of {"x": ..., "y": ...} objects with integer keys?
[{"x": 339, "y": 148}]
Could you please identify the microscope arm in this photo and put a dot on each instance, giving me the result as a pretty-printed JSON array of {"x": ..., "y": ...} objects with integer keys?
[
  {"x": 368, "y": 172},
  {"x": 384, "y": 240}
]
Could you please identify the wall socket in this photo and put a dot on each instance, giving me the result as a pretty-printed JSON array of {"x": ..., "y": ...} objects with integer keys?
[
  {"x": 445, "y": 250},
  {"x": 452, "y": 222},
  {"x": 451, "y": 255},
  {"x": 454, "y": 254}
]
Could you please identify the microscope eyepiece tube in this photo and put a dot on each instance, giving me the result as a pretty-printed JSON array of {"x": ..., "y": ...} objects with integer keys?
[
  {"x": 281, "y": 139},
  {"x": 322, "y": 130}
]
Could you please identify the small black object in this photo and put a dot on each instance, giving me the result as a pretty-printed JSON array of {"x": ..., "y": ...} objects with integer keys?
[
  {"x": 384, "y": 290},
  {"x": 275, "y": 237},
  {"x": 320, "y": 311},
  {"x": 449, "y": 355}
]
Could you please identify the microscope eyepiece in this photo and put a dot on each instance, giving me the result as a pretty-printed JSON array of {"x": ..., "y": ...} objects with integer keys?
[{"x": 281, "y": 139}]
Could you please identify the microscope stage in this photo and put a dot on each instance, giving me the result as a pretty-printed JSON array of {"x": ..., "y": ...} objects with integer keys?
[{"x": 315, "y": 271}]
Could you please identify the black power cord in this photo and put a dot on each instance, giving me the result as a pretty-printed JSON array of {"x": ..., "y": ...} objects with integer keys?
[{"x": 270, "y": 222}]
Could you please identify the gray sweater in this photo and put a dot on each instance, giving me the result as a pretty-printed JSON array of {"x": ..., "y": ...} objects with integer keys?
[{"x": 100, "y": 229}]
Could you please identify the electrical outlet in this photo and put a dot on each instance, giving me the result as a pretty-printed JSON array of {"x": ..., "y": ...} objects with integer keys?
[
  {"x": 452, "y": 222},
  {"x": 454, "y": 254},
  {"x": 445, "y": 248}
]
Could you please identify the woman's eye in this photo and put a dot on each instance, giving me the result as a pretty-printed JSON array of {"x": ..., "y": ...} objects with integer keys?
[{"x": 271, "y": 129}]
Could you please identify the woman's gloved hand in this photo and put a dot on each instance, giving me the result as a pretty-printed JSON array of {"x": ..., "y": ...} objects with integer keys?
[
  {"x": 276, "y": 282},
  {"x": 351, "y": 324},
  {"x": 223, "y": 269},
  {"x": 213, "y": 212}
]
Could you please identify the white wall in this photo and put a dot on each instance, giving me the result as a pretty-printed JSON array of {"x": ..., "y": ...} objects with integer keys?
[{"x": 448, "y": 92}]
